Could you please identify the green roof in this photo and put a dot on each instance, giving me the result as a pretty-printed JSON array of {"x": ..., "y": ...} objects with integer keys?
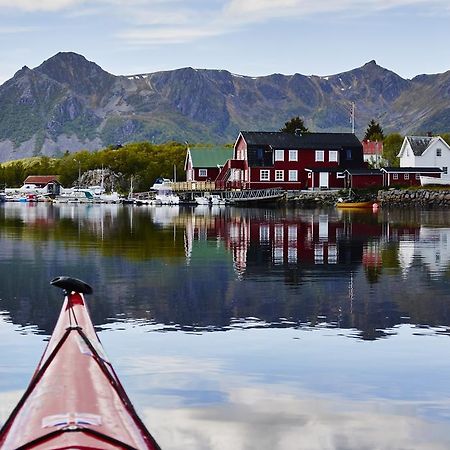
[{"x": 210, "y": 156}]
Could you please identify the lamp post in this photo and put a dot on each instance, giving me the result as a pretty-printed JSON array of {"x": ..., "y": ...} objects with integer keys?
[{"x": 79, "y": 172}]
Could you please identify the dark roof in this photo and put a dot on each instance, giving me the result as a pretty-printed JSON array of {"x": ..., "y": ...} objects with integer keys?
[
  {"x": 419, "y": 143},
  {"x": 412, "y": 169},
  {"x": 367, "y": 172},
  {"x": 278, "y": 139},
  {"x": 324, "y": 169}
]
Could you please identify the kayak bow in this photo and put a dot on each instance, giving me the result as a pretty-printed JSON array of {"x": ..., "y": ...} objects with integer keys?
[{"x": 75, "y": 399}]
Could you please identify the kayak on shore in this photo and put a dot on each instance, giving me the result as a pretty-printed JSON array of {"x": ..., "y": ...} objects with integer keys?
[{"x": 75, "y": 399}]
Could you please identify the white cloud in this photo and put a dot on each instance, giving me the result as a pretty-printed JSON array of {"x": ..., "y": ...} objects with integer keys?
[
  {"x": 40, "y": 5},
  {"x": 263, "y": 417}
]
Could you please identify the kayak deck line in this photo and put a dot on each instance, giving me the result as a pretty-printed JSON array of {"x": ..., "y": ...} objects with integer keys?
[{"x": 75, "y": 397}]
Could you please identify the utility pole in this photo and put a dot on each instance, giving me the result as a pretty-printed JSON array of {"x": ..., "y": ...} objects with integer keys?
[{"x": 352, "y": 117}]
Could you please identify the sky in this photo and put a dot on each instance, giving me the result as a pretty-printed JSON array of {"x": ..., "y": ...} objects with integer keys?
[{"x": 247, "y": 37}]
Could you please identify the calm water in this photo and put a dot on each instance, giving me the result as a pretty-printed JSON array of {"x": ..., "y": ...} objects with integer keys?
[{"x": 246, "y": 328}]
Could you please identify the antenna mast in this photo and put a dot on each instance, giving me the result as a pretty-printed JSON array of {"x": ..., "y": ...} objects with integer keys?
[{"x": 352, "y": 117}]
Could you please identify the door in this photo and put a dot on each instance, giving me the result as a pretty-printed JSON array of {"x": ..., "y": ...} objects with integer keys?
[{"x": 323, "y": 180}]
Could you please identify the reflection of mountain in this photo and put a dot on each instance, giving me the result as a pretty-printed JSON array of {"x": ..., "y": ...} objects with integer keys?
[{"x": 195, "y": 270}]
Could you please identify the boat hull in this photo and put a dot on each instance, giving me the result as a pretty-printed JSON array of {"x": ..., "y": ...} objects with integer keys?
[
  {"x": 75, "y": 399},
  {"x": 355, "y": 205}
]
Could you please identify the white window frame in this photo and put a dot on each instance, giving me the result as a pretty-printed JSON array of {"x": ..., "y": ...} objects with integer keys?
[
  {"x": 445, "y": 169},
  {"x": 333, "y": 156},
  {"x": 417, "y": 176},
  {"x": 293, "y": 175},
  {"x": 293, "y": 155},
  {"x": 264, "y": 175},
  {"x": 279, "y": 175},
  {"x": 438, "y": 152},
  {"x": 395, "y": 176},
  {"x": 320, "y": 156},
  {"x": 279, "y": 155},
  {"x": 406, "y": 176},
  {"x": 340, "y": 175},
  {"x": 202, "y": 172}
]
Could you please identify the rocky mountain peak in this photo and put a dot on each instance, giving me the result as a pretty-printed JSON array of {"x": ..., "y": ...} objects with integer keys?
[{"x": 75, "y": 71}]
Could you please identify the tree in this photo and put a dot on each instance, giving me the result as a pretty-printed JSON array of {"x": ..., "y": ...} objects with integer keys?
[
  {"x": 374, "y": 132},
  {"x": 296, "y": 123},
  {"x": 391, "y": 147}
]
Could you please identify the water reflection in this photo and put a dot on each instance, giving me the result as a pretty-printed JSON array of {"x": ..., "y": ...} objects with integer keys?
[{"x": 197, "y": 269}]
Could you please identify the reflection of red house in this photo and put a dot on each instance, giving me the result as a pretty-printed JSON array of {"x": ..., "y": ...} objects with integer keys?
[{"x": 288, "y": 161}]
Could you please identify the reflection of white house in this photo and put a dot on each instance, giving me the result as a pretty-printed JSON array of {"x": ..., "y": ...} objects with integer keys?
[
  {"x": 425, "y": 151},
  {"x": 432, "y": 249}
]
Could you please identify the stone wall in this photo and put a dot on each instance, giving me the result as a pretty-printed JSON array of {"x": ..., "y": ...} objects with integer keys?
[{"x": 414, "y": 197}]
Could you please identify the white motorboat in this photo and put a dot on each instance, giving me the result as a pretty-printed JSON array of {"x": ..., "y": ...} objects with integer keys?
[{"x": 427, "y": 181}]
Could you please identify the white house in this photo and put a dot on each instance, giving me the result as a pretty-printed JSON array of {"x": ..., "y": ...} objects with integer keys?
[{"x": 426, "y": 151}]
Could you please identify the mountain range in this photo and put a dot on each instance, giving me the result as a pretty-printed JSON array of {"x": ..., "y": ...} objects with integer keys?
[{"x": 69, "y": 103}]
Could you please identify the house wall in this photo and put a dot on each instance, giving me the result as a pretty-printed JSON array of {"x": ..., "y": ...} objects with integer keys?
[
  {"x": 401, "y": 180},
  {"x": 366, "y": 181},
  {"x": 211, "y": 174},
  {"x": 429, "y": 157}
]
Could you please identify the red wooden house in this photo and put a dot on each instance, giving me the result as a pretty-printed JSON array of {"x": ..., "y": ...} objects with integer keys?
[
  {"x": 205, "y": 163},
  {"x": 291, "y": 162}
]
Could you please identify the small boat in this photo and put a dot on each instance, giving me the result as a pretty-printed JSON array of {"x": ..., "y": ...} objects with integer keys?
[
  {"x": 430, "y": 181},
  {"x": 355, "y": 204},
  {"x": 75, "y": 399}
]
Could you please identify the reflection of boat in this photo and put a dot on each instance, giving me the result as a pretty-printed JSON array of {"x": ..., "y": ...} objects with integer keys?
[
  {"x": 427, "y": 181},
  {"x": 355, "y": 204},
  {"x": 2, "y": 197},
  {"x": 75, "y": 399}
]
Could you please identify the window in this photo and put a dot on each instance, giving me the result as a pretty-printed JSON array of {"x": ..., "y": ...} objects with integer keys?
[
  {"x": 340, "y": 175},
  {"x": 293, "y": 175},
  {"x": 264, "y": 233},
  {"x": 395, "y": 176},
  {"x": 417, "y": 176},
  {"x": 203, "y": 172},
  {"x": 332, "y": 156},
  {"x": 348, "y": 154},
  {"x": 320, "y": 155},
  {"x": 445, "y": 169},
  {"x": 293, "y": 155},
  {"x": 279, "y": 175},
  {"x": 279, "y": 155},
  {"x": 264, "y": 175},
  {"x": 406, "y": 176},
  {"x": 438, "y": 152}
]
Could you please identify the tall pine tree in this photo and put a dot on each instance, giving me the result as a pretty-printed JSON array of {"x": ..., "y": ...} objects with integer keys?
[
  {"x": 296, "y": 123},
  {"x": 374, "y": 132}
]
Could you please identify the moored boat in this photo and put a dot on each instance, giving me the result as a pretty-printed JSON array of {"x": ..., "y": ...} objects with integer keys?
[
  {"x": 75, "y": 399},
  {"x": 355, "y": 204}
]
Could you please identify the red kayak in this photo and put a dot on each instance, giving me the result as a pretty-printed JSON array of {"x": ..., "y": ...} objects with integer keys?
[{"x": 74, "y": 400}]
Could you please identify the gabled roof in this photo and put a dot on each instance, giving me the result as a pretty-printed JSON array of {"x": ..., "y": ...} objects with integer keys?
[
  {"x": 281, "y": 140},
  {"x": 419, "y": 144},
  {"x": 210, "y": 156},
  {"x": 41, "y": 179}
]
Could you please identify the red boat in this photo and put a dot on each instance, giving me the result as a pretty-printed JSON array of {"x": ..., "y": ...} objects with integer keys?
[{"x": 75, "y": 399}]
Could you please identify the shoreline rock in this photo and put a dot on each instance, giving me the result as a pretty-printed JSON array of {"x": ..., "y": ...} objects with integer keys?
[{"x": 414, "y": 197}]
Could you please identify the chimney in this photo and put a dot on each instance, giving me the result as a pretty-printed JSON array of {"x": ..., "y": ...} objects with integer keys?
[{"x": 429, "y": 134}]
